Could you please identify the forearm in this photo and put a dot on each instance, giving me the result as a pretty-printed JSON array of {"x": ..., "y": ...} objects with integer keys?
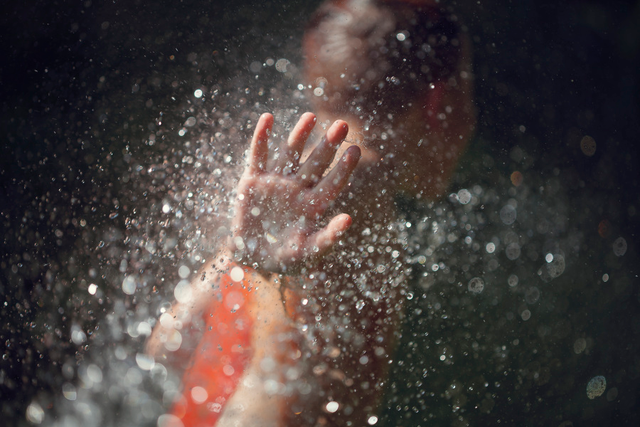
[{"x": 168, "y": 334}]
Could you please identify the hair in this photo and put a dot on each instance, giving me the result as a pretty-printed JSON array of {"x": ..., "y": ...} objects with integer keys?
[{"x": 369, "y": 55}]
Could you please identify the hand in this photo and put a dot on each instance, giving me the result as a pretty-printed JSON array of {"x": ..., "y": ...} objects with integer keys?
[{"x": 279, "y": 207}]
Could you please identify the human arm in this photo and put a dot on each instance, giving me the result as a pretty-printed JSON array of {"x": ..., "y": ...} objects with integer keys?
[{"x": 275, "y": 229}]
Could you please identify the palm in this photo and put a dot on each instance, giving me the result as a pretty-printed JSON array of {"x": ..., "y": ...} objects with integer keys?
[{"x": 278, "y": 211}]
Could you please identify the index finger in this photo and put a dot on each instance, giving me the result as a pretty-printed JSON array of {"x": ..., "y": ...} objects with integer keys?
[{"x": 259, "y": 151}]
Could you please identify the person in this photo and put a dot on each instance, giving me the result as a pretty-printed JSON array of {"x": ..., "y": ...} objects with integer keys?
[{"x": 301, "y": 307}]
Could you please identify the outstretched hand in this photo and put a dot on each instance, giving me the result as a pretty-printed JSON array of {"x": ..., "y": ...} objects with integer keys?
[{"x": 281, "y": 202}]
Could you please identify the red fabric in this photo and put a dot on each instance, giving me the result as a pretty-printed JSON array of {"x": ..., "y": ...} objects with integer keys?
[{"x": 221, "y": 357}]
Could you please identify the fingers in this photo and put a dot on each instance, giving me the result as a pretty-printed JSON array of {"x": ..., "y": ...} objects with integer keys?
[
  {"x": 290, "y": 157},
  {"x": 332, "y": 184},
  {"x": 323, "y": 240},
  {"x": 259, "y": 151},
  {"x": 313, "y": 168}
]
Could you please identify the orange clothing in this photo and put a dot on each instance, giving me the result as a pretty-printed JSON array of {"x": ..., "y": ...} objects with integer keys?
[{"x": 222, "y": 355}]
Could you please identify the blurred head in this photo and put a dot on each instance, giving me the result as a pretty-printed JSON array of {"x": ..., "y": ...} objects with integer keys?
[{"x": 400, "y": 71}]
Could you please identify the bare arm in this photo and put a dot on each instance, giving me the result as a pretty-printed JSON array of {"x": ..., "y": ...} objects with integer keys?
[
  {"x": 167, "y": 336},
  {"x": 276, "y": 221}
]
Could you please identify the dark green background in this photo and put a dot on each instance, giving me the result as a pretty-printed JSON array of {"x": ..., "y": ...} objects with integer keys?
[{"x": 561, "y": 69}]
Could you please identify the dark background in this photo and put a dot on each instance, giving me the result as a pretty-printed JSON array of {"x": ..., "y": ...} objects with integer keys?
[{"x": 83, "y": 83}]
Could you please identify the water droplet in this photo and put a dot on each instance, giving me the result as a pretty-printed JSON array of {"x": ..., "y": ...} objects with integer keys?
[
  {"x": 237, "y": 274},
  {"x": 182, "y": 292},
  {"x": 620, "y": 246},
  {"x": 464, "y": 196},
  {"x": 512, "y": 251},
  {"x": 508, "y": 214},
  {"x": 184, "y": 272},
  {"x": 281, "y": 65},
  {"x": 476, "y": 285},
  {"x": 579, "y": 345},
  {"x": 69, "y": 392},
  {"x": 596, "y": 387},
  {"x": 144, "y": 361},
  {"x": 199, "y": 394},
  {"x": 129, "y": 285},
  {"x": 93, "y": 288},
  {"x": 35, "y": 414},
  {"x": 588, "y": 146},
  {"x": 332, "y": 407}
]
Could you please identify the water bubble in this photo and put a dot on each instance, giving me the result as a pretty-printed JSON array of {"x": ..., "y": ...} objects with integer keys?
[
  {"x": 512, "y": 251},
  {"x": 596, "y": 387},
  {"x": 532, "y": 295},
  {"x": 237, "y": 274},
  {"x": 281, "y": 65},
  {"x": 526, "y": 315},
  {"x": 198, "y": 93},
  {"x": 556, "y": 266},
  {"x": 144, "y": 361},
  {"x": 620, "y": 246},
  {"x": 588, "y": 146},
  {"x": 77, "y": 335},
  {"x": 174, "y": 341},
  {"x": 332, "y": 406},
  {"x": 372, "y": 420},
  {"x": 182, "y": 292},
  {"x": 579, "y": 345},
  {"x": 491, "y": 247},
  {"x": 199, "y": 394},
  {"x": 92, "y": 289},
  {"x": 513, "y": 280},
  {"x": 517, "y": 178},
  {"x": 35, "y": 414},
  {"x": 508, "y": 214},
  {"x": 476, "y": 285},
  {"x": 94, "y": 374},
  {"x": 184, "y": 272},
  {"x": 239, "y": 242},
  {"x": 69, "y": 391},
  {"x": 464, "y": 196},
  {"x": 255, "y": 67},
  {"x": 129, "y": 285}
]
